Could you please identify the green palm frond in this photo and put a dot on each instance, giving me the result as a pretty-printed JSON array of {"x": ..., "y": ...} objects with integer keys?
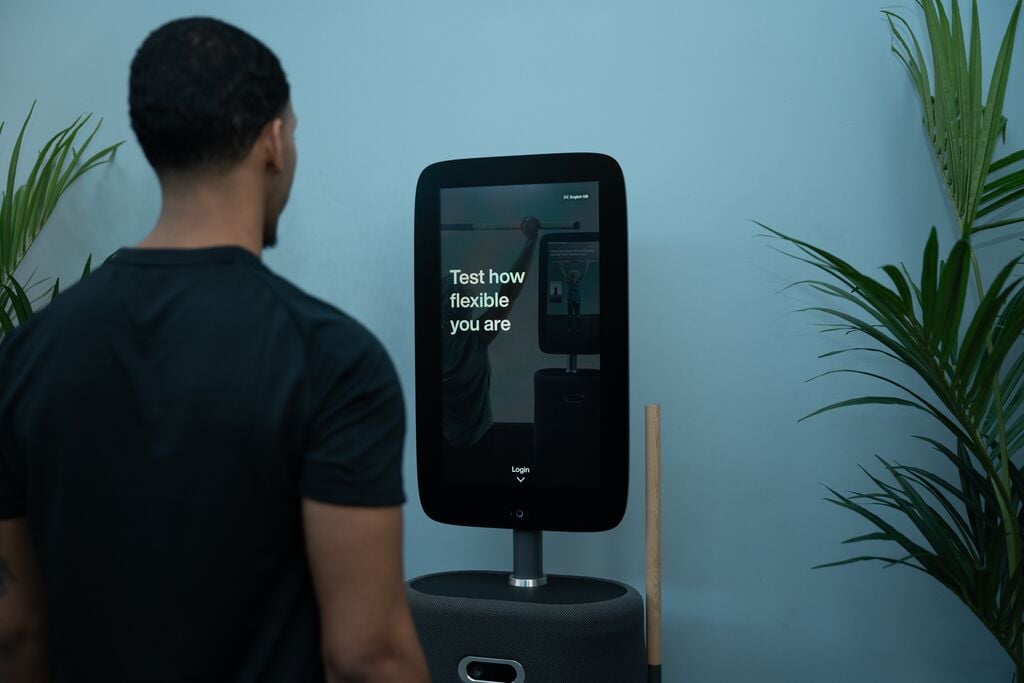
[
  {"x": 966, "y": 358},
  {"x": 963, "y": 123},
  {"x": 969, "y": 528},
  {"x": 961, "y": 545},
  {"x": 15, "y": 304},
  {"x": 25, "y": 208}
]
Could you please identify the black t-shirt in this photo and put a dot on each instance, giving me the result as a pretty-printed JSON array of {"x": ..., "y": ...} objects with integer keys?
[{"x": 159, "y": 423}]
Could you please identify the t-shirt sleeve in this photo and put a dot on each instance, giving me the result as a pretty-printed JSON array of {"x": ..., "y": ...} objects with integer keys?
[{"x": 357, "y": 417}]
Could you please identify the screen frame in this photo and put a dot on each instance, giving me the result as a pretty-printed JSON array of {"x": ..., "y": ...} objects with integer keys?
[{"x": 493, "y": 504}]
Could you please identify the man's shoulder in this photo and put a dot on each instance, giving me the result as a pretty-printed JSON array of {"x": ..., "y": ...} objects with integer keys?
[
  {"x": 342, "y": 356},
  {"x": 324, "y": 325},
  {"x": 70, "y": 309},
  {"x": 95, "y": 305}
]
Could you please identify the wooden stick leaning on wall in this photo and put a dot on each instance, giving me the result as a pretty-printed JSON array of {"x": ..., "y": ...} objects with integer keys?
[{"x": 652, "y": 450}]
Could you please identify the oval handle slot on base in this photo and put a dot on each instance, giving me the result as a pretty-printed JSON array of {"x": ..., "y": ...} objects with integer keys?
[{"x": 490, "y": 670}]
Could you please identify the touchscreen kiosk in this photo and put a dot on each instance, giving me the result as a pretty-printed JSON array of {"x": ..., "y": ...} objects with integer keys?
[{"x": 521, "y": 342}]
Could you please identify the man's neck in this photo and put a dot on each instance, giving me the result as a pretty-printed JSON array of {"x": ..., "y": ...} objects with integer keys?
[{"x": 209, "y": 210}]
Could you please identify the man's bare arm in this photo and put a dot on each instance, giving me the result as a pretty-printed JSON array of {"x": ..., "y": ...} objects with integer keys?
[
  {"x": 24, "y": 653},
  {"x": 355, "y": 555},
  {"x": 529, "y": 228}
]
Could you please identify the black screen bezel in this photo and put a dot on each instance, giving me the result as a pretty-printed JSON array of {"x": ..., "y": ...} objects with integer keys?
[{"x": 497, "y": 505}]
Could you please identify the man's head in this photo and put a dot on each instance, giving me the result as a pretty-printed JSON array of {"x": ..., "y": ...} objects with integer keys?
[{"x": 204, "y": 98}]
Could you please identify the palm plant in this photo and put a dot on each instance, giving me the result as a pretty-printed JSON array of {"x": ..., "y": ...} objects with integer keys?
[
  {"x": 966, "y": 358},
  {"x": 25, "y": 209}
]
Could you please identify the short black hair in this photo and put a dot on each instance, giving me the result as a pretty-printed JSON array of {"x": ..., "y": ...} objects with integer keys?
[{"x": 200, "y": 92}]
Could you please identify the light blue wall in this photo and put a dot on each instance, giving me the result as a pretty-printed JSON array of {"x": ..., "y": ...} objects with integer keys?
[{"x": 790, "y": 112}]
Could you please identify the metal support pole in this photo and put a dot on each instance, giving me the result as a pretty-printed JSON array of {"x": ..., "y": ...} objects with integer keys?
[{"x": 527, "y": 559}]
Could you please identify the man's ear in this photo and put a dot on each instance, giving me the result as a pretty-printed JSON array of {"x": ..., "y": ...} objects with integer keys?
[{"x": 272, "y": 141}]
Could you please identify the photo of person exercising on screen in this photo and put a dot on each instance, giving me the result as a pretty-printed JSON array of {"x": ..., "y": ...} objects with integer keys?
[
  {"x": 573, "y": 299},
  {"x": 465, "y": 364}
]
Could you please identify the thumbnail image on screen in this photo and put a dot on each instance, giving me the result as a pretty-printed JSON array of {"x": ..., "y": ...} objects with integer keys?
[
  {"x": 571, "y": 322},
  {"x": 572, "y": 280},
  {"x": 520, "y": 335}
]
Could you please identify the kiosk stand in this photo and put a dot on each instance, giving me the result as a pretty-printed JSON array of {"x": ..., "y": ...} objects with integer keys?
[
  {"x": 531, "y": 252},
  {"x": 492, "y": 627}
]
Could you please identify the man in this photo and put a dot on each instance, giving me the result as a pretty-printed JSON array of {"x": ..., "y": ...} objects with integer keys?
[{"x": 200, "y": 464}]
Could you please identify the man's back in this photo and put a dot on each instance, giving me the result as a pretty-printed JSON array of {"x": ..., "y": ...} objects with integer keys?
[{"x": 159, "y": 424}]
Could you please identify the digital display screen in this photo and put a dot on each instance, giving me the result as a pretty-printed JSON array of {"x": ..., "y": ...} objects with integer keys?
[
  {"x": 522, "y": 341},
  {"x": 520, "y": 335}
]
